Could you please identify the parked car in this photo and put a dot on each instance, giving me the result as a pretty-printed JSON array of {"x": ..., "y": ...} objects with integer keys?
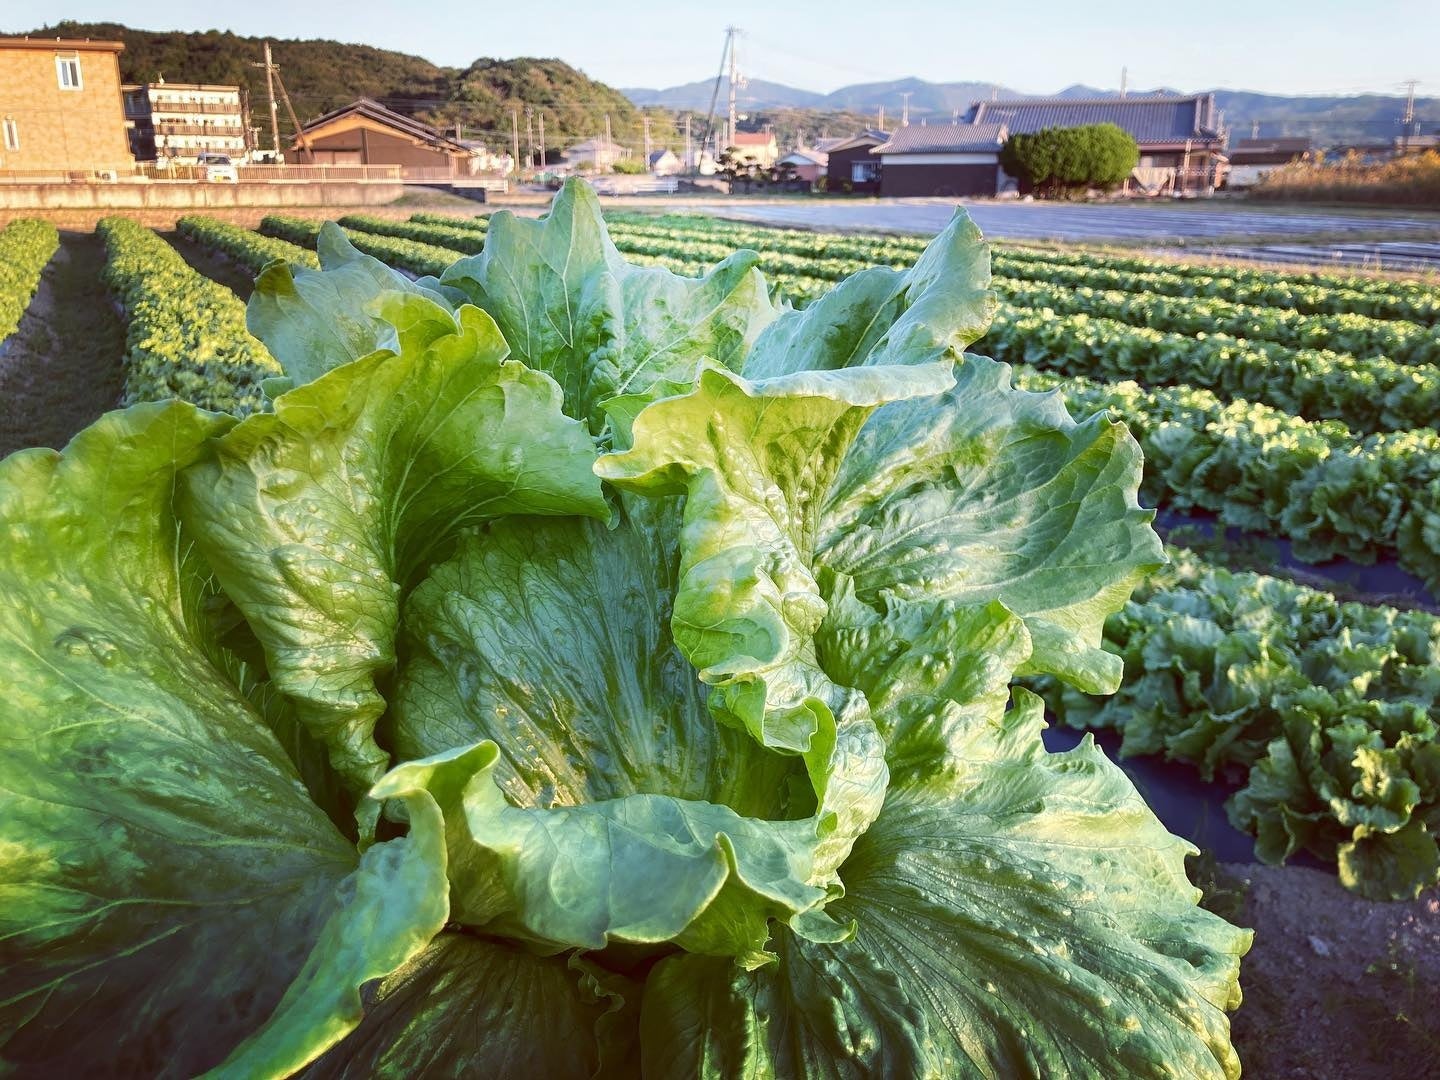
[{"x": 218, "y": 167}]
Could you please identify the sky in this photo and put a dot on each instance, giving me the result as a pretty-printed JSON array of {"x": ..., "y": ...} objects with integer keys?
[{"x": 1274, "y": 46}]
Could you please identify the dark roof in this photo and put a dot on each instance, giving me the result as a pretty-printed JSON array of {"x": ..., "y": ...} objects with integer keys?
[
  {"x": 944, "y": 139},
  {"x": 864, "y": 139},
  {"x": 1151, "y": 120},
  {"x": 373, "y": 110},
  {"x": 658, "y": 155},
  {"x": 1269, "y": 151}
]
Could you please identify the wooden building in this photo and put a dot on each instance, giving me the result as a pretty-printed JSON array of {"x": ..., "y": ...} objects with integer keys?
[
  {"x": 850, "y": 167},
  {"x": 60, "y": 107},
  {"x": 941, "y": 159},
  {"x": 1181, "y": 139},
  {"x": 367, "y": 133}
]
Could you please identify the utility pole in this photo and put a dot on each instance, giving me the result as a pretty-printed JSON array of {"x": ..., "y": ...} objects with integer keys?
[
  {"x": 732, "y": 32},
  {"x": 515, "y": 140},
  {"x": 529, "y": 139},
  {"x": 645, "y": 119},
  {"x": 542, "y": 138},
  {"x": 880, "y": 122},
  {"x": 1254, "y": 129},
  {"x": 1124, "y": 80},
  {"x": 905, "y": 107},
  {"x": 1409, "y": 118},
  {"x": 689, "y": 160},
  {"x": 609, "y": 143},
  {"x": 269, "y": 66}
]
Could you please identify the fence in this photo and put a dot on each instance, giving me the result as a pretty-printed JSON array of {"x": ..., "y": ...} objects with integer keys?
[{"x": 247, "y": 174}]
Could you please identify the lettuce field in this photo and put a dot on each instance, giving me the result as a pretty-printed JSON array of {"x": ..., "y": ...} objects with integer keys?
[{"x": 620, "y": 646}]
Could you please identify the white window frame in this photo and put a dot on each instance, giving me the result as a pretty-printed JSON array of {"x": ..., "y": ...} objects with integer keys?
[
  {"x": 12, "y": 133},
  {"x": 62, "y": 65}
]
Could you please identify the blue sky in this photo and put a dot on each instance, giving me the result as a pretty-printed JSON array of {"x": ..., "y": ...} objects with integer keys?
[{"x": 1280, "y": 46}]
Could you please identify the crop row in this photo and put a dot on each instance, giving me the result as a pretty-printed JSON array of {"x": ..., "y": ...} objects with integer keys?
[
  {"x": 465, "y": 241},
  {"x": 1367, "y": 395},
  {"x": 1325, "y": 709},
  {"x": 884, "y": 247},
  {"x": 1329, "y": 492},
  {"x": 26, "y": 246},
  {"x": 185, "y": 335},
  {"x": 245, "y": 246},
  {"x": 1357, "y": 335},
  {"x": 418, "y": 258}
]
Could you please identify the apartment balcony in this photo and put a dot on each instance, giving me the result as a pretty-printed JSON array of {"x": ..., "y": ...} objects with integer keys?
[
  {"x": 162, "y": 105},
  {"x": 214, "y": 131}
]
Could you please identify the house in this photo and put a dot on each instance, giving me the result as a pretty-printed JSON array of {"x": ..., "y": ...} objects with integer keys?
[
  {"x": 850, "y": 167},
  {"x": 1181, "y": 138},
  {"x": 175, "y": 122},
  {"x": 367, "y": 133},
  {"x": 60, "y": 107},
  {"x": 807, "y": 165},
  {"x": 599, "y": 155},
  {"x": 941, "y": 159},
  {"x": 1252, "y": 159},
  {"x": 665, "y": 163},
  {"x": 759, "y": 146}
]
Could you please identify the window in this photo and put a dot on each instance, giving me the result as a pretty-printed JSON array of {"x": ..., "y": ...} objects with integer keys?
[
  {"x": 863, "y": 172},
  {"x": 12, "y": 134},
  {"x": 68, "y": 70}
]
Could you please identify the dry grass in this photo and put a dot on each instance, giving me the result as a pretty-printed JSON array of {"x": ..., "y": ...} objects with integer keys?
[{"x": 1409, "y": 181}]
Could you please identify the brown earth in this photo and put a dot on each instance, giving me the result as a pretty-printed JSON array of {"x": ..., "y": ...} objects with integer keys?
[
  {"x": 1336, "y": 987},
  {"x": 61, "y": 368}
]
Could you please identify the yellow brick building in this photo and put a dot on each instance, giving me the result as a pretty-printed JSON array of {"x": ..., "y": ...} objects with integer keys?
[{"x": 61, "y": 108}]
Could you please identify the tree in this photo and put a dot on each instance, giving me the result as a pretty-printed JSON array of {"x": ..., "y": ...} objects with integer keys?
[{"x": 1058, "y": 160}]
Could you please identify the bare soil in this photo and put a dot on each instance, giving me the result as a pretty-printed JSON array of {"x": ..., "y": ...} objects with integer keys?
[
  {"x": 214, "y": 265},
  {"x": 1336, "y": 987},
  {"x": 61, "y": 368}
]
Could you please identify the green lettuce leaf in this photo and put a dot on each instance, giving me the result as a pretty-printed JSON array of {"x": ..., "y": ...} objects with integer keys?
[
  {"x": 313, "y": 321},
  {"x": 319, "y": 516},
  {"x": 1030, "y": 916},
  {"x": 996, "y": 494},
  {"x": 472, "y": 1006},
  {"x": 754, "y": 460},
  {"x": 164, "y": 875},
  {"x": 880, "y": 316},
  {"x": 571, "y": 306}
]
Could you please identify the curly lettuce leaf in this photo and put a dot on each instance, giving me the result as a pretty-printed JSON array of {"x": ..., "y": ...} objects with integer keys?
[
  {"x": 319, "y": 516},
  {"x": 313, "y": 321},
  {"x": 991, "y": 493},
  {"x": 922, "y": 315},
  {"x": 169, "y": 893},
  {"x": 1028, "y": 916},
  {"x": 571, "y": 306}
]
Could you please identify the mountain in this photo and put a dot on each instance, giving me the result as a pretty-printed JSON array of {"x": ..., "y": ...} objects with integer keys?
[
  {"x": 322, "y": 75},
  {"x": 1325, "y": 119},
  {"x": 751, "y": 93}
]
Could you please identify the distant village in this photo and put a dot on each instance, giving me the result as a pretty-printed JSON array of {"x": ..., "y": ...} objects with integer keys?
[{"x": 67, "y": 117}]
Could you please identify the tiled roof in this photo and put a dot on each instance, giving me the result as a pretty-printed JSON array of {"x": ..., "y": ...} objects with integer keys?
[
  {"x": 944, "y": 139},
  {"x": 373, "y": 110},
  {"x": 864, "y": 138},
  {"x": 1158, "y": 119},
  {"x": 1268, "y": 151}
]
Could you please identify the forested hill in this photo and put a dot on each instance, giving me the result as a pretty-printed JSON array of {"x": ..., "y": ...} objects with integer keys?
[{"x": 321, "y": 75}]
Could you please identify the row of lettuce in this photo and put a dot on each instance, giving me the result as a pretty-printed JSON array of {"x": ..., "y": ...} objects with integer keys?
[
  {"x": 1324, "y": 711},
  {"x": 1332, "y": 493},
  {"x": 26, "y": 247}
]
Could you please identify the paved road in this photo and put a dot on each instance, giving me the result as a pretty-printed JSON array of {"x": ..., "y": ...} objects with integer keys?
[{"x": 1037, "y": 221}]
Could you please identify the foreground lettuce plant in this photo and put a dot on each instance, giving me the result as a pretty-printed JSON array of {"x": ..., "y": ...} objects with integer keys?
[{"x": 585, "y": 670}]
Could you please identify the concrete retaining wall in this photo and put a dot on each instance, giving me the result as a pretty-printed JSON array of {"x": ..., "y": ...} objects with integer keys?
[{"x": 173, "y": 195}]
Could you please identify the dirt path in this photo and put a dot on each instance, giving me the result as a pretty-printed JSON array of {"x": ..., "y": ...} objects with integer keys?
[
  {"x": 61, "y": 369},
  {"x": 215, "y": 267},
  {"x": 1336, "y": 987}
]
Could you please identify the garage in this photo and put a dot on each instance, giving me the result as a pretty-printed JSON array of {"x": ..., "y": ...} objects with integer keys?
[{"x": 951, "y": 160}]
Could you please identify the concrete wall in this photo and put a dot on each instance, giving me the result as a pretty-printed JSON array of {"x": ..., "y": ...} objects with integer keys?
[{"x": 196, "y": 196}]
